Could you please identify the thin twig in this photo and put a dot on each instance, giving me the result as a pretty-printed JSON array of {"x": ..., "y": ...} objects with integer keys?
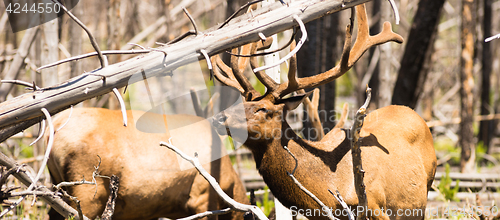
[
  {"x": 41, "y": 132},
  {"x": 213, "y": 182},
  {"x": 269, "y": 52},
  {"x": 69, "y": 117},
  {"x": 293, "y": 52},
  {"x": 191, "y": 19},
  {"x": 238, "y": 11},
  {"x": 208, "y": 213},
  {"x": 305, "y": 190},
  {"x": 122, "y": 106},
  {"x": 93, "y": 41},
  {"x": 134, "y": 44},
  {"x": 342, "y": 202},
  {"x": 67, "y": 184},
  {"x": 179, "y": 38},
  {"x": 106, "y": 52},
  {"x": 209, "y": 63},
  {"x": 395, "y": 9},
  {"x": 22, "y": 83},
  {"x": 42, "y": 166},
  {"x": 492, "y": 38}
]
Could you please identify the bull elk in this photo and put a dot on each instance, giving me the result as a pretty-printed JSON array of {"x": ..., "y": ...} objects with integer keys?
[
  {"x": 153, "y": 182},
  {"x": 397, "y": 146}
]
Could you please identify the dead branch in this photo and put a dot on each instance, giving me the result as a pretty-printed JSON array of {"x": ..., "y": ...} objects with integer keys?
[
  {"x": 343, "y": 203},
  {"x": 106, "y": 52},
  {"x": 113, "y": 193},
  {"x": 122, "y": 106},
  {"x": 93, "y": 41},
  {"x": 213, "y": 182},
  {"x": 22, "y": 112},
  {"x": 54, "y": 201},
  {"x": 305, "y": 190},
  {"x": 17, "y": 63},
  {"x": 357, "y": 165},
  {"x": 208, "y": 213}
]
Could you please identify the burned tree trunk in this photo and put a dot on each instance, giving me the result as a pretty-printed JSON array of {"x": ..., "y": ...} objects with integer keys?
[
  {"x": 415, "y": 63},
  {"x": 467, "y": 160},
  {"x": 486, "y": 128}
]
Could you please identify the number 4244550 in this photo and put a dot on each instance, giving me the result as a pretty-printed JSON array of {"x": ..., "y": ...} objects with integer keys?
[{"x": 17, "y": 8}]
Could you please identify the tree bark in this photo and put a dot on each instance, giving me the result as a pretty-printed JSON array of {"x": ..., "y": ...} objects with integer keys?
[
  {"x": 386, "y": 73},
  {"x": 467, "y": 160},
  {"x": 486, "y": 128},
  {"x": 415, "y": 63}
]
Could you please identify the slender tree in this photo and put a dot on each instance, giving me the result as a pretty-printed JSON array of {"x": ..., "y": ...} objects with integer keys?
[
  {"x": 486, "y": 128},
  {"x": 467, "y": 161},
  {"x": 415, "y": 62}
]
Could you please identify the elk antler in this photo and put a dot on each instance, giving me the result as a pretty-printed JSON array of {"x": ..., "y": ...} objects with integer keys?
[
  {"x": 349, "y": 57},
  {"x": 234, "y": 75}
]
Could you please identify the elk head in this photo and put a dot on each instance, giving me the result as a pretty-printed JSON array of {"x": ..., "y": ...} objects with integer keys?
[{"x": 263, "y": 116}]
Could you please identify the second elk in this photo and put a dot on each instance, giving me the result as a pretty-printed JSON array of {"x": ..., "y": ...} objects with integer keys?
[{"x": 397, "y": 146}]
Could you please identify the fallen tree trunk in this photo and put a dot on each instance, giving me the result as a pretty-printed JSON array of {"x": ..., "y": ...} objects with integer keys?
[{"x": 22, "y": 112}]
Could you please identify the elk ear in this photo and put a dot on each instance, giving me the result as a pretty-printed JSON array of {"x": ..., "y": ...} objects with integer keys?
[{"x": 294, "y": 101}]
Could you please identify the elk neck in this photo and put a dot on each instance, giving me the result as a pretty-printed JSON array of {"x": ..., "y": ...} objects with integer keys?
[{"x": 274, "y": 163}]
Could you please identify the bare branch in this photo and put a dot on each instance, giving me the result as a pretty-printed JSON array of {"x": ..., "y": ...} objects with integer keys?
[
  {"x": 395, "y": 9},
  {"x": 213, "y": 182},
  {"x": 83, "y": 56},
  {"x": 294, "y": 51},
  {"x": 309, "y": 193},
  {"x": 492, "y": 38},
  {"x": 17, "y": 63},
  {"x": 69, "y": 117},
  {"x": 55, "y": 202},
  {"x": 192, "y": 20},
  {"x": 209, "y": 63},
  {"x": 122, "y": 106},
  {"x": 93, "y": 41},
  {"x": 40, "y": 133},
  {"x": 238, "y": 11},
  {"x": 342, "y": 202},
  {"x": 42, "y": 166},
  {"x": 22, "y": 83},
  {"x": 208, "y": 213},
  {"x": 357, "y": 165},
  {"x": 113, "y": 194}
]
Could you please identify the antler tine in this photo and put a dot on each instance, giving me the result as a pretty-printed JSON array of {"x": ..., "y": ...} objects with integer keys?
[
  {"x": 292, "y": 70},
  {"x": 238, "y": 65},
  {"x": 269, "y": 83},
  {"x": 228, "y": 80},
  {"x": 349, "y": 57}
]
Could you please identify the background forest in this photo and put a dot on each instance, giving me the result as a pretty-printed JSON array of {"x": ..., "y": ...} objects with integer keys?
[{"x": 454, "y": 87}]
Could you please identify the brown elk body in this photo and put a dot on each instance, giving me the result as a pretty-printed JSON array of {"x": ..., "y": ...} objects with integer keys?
[
  {"x": 397, "y": 146},
  {"x": 153, "y": 181}
]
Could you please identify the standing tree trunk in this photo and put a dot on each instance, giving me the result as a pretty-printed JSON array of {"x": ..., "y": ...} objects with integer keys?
[
  {"x": 76, "y": 41},
  {"x": 415, "y": 63},
  {"x": 50, "y": 52},
  {"x": 317, "y": 55},
  {"x": 468, "y": 154},
  {"x": 386, "y": 73},
  {"x": 486, "y": 128}
]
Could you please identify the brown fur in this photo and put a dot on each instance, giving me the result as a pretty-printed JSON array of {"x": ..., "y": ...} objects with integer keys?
[
  {"x": 153, "y": 182},
  {"x": 397, "y": 151}
]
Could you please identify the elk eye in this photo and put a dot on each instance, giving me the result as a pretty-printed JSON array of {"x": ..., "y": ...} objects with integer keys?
[{"x": 261, "y": 110}]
